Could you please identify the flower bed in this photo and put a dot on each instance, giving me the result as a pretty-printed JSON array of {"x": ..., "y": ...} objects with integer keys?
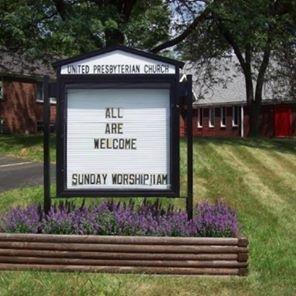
[
  {"x": 140, "y": 239},
  {"x": 109, "y": 218}
]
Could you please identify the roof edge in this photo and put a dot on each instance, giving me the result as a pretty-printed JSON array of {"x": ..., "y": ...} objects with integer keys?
[
  {"x": 35, "y": 77},
  {"x": 241, "y": 103}
]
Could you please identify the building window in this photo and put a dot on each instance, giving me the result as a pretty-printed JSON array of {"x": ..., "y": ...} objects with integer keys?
[
  {"x": 39, "y": 93},
  {"x": 223, "y": 117},
  {"x": 1, "y": 90},
  {"x": 199, "y": 117},
  {"x": 235, "y": 116},
  {"x": 211, "y": 117}
]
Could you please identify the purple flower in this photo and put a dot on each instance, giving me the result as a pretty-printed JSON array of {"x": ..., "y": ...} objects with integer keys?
[
  {"x": 215, "y": 220},
  {"x": 109, "y": 218},
  {"x": 22, "y": 220}
]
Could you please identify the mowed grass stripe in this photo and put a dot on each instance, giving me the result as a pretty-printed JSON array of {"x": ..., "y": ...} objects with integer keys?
[
  {"x": 252, "y": 188},
  {"x": 287, "y": 160},
  {"x": 267, "y": 175},
  {"x": 263, "y": 186},
  {"x": 201, "y": 168},
  {"x": 270, "y": 179},
  {"x": 251, "y": 179},
  {"x": 275, "y": 170},
  {"x": 224, "y": 180},
  {"x": 272, "y": 249},
  {"x": 209, "y": 171},
  {"x": 248, "y": 205}
]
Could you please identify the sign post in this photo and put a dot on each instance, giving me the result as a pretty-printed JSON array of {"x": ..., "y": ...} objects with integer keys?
[
  {"x": 189, "y": 198},
  {"x": 118, "y": 125},
  {"x": 46, "y": 139}
]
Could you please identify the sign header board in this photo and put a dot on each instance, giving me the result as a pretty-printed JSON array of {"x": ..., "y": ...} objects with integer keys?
[
  {"x": 117, "y": 62},
  {"x": 118, "y": 137}
]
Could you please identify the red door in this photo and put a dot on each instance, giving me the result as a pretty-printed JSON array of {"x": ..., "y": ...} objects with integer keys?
[{"x": 283, "y": 121}]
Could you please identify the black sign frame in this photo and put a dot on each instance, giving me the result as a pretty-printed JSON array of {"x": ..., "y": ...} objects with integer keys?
[
  {"x": 182, "y": 97},
  {"x": 118, "y": 81}
]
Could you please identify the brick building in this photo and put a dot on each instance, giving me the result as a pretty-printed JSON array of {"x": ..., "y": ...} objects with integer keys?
[
  {"x": 220, "y": 108},
  {"x": 21, "y": 93}
]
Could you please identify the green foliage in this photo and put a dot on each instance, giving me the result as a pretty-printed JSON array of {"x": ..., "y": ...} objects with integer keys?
[
  {"x": 152, "y": 26},
  {"x": 249, "y": 23},
  {"x": 39, "y": 27}
]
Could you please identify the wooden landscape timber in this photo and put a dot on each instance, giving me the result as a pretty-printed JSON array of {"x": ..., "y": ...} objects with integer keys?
[{"x": 124, "y": 254}]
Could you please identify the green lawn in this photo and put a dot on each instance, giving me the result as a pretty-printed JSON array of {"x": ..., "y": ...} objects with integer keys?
[
  {"x": 25, "y": 146},
  {"x": 257, "y": 177}
]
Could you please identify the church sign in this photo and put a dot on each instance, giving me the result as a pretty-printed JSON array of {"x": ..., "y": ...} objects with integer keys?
[{"x": 118, "y": 124}]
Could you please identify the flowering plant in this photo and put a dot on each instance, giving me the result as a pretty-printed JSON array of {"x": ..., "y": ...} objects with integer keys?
[{"x": 110, "y": 218}]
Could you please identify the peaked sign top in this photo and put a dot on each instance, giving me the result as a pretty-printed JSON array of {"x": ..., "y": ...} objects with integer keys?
[{"x": 118, "y": 60}]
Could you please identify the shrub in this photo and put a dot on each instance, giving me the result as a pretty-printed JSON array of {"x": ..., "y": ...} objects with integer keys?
[
  {"x": 22, "y": 220},
  {"x": 109, "y": 218},
  {"x": 215, "y": 220}
]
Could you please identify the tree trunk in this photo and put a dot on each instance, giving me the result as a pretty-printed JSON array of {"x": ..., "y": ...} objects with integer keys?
[
  {"x": 114, "y": 37},
  {"x": 255, "y": 118},
  {"x": 254, "y": 105}
]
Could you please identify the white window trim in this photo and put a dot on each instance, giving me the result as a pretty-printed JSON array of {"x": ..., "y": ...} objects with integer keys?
[
  {"x": 199, "y": 112},
  {"x": 233, "y": 113},
  {"x": 2, "y": 122},
  {"x": 39, "y": 100},
  {"x": 2, "y": 90},
  {"x": 210, "y": 117},
  {"x": 221, "y": 121},
  {"x": 242, "y": 121},
  {"x": 52, "y": 101}
]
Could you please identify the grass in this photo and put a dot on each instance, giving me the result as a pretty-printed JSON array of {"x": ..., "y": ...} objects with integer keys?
[
  {"x": 25, "y": 146},
  {"x": 257, "y": 177}
]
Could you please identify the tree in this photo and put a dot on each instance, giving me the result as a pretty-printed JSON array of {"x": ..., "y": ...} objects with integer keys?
[
  {"x": 285, "y": 72},
  {"x": 69, "y": 27},
  {"x": 253, "y": 30}
]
